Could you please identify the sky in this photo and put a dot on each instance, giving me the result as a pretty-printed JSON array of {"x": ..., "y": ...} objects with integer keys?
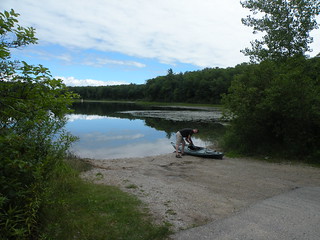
[{"x": 112, "y": 42}]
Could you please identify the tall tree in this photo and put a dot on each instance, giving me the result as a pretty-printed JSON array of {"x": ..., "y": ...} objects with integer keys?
[{"x": 287, "y": 24}]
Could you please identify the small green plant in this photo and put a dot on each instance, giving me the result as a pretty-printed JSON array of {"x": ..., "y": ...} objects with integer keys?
[
  {"x": 99, "y": 176},
  {"x": 171, "y": 212},
  {"x": 132, "y": 186}
]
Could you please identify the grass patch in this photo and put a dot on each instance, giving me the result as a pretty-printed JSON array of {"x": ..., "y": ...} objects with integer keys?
[{"x": 82, "y": 210}]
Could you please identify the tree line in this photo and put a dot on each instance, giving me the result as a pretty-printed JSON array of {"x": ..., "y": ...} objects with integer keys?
[{"x": 203, "y": 86}]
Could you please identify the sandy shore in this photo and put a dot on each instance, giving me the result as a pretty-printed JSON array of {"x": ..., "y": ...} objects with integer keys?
[{"x": 192, "y": 191}]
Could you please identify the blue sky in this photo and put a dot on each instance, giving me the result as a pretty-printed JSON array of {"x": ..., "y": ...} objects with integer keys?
[{"x": 108, "y": 42}]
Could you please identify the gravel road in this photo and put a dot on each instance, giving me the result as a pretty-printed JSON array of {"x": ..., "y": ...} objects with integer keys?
[{"x": 192, "y": 191}]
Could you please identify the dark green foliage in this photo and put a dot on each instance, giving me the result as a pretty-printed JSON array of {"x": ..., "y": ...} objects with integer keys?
[
  {"x": 275, "y": 107},
  {"x": 119, "y": 92},
  {"x": 205, "y": 86},
  {"x": 32, "y": 140}
]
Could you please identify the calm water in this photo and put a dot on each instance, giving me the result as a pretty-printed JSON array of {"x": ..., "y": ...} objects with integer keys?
[{"x": 114, "y": 130}]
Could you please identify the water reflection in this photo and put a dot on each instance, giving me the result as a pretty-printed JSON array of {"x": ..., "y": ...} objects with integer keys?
[{"x": 106, "y": 132}]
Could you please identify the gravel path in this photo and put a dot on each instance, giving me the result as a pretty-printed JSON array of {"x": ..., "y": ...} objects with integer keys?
[{"x": 192, "y": 191}]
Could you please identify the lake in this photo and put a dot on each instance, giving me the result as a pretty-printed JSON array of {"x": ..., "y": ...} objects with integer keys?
[{"x": 122, "y": 130}]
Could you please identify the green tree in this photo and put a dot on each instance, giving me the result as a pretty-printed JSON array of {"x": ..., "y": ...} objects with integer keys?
[
  {"x": 274, "y": 105},
  {"x": 32, "y": 139},
  {"x": 287, "y": 24},
  {"x": 274, "y": 108}
]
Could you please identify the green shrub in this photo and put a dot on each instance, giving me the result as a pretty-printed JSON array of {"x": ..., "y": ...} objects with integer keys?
[
  {"x": 274, "y": 109},
  {"x": 32, "y": 140}
]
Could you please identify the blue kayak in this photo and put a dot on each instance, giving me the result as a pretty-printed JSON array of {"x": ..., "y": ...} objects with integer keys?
[{"x": 199, "y": 151}]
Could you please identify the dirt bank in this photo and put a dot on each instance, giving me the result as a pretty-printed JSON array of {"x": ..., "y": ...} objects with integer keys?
[{"x": 192, "y": 191}]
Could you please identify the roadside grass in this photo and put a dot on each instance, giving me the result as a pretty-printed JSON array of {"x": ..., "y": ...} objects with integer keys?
[{"x": 77, "y": 209}]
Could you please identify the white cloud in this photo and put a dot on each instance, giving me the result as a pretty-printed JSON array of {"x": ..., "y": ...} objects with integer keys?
[
  {"x": 81, "y": 59},
  {"x": 206, "y": 33},
  {"x": 100, "y": 62},
  {"x": 45, "y": 55},
  {"x": 202, "y": 32},
  {"x": 71, "y": 81}
]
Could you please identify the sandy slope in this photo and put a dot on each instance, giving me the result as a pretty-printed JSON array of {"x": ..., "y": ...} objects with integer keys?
[{"x": 192, "y": 191}]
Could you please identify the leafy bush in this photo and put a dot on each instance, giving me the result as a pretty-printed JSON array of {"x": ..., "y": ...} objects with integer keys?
[
  {"x": 274, "y": 107},
  {"x": 32, "y": 139}
]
